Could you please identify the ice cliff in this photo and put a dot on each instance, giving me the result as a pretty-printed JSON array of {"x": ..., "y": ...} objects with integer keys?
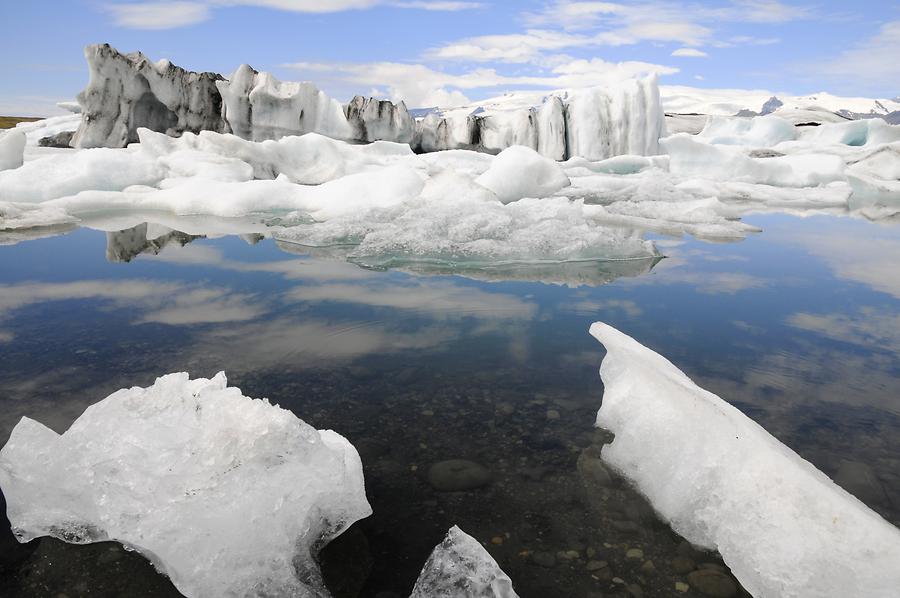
[
  {"x": 127, "y": 92},
  {"x": 227, "y": 495},
  {"x": 782, "y": 526}
]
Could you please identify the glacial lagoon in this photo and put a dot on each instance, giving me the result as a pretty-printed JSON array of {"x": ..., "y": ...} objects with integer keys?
[{"x": 796, "y": 326}]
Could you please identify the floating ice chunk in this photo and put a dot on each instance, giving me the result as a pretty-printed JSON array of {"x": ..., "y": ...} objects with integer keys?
[
  {"x": 725, "y": 483},
  {"x": 455, "y": 221},
  {"x": 460, "y": 567},
  {"x": 871, "y": 192},
  {"x": 519, "y": 172},
  {"x": 28, "y": 215},
  {"x": 48, "y": 127},
  {"x": 12, "y": 149},
  {"x": 857, "y": 133},
  {"x": 227, "y": 495},
  {"x": 68, "y": 173},
  {"x": 618, "y": 165},
  {"x": 309, "y": 159},
  {"x": 883, "y": 164},
  {"x": 691, "y": 158},
  {"x": 762, "y": 131}
]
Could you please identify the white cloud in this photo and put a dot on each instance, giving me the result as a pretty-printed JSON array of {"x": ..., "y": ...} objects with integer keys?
[
  {"x": 515, "y": 47},
  {"x": 438, "y": 5},
  {"x": 870, "y": 63},
  {"x": 868, "y": 327},
  {"x": 169, "y": 15},
  {"x": 690, "y": 52},
  {"x": 162, "y": 302},
  {"x": 159, "y": 15}
]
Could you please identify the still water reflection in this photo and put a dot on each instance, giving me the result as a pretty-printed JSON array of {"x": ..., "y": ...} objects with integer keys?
[{"x": 799, "y": 327}]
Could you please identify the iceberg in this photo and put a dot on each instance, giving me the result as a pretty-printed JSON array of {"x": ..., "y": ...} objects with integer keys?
[
  {"x": 593, "y": 123},
  {"x": 128, "y": 91},
  {"x": 460, "y": 567},
  {"x": 761, "y": 131},
  {"x": 721, "y": 481},
  {"x": 227, "y": 495}
]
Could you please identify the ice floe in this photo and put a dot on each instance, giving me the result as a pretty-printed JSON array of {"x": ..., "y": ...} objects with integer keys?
[
  {"x": 723, "y": 482},
  {"x": 227, "y": 495}
]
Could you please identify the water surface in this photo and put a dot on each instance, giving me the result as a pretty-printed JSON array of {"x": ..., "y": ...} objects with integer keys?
[{"x": 798, "y": 327}]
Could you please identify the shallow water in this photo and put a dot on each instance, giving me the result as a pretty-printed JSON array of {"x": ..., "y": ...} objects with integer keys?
[{"x": 798, "y": 326}]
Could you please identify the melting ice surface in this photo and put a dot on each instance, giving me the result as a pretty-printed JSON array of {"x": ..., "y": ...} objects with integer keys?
[
  {"x": 227, "y": 495},
  {"x": 723, "y": 482}
]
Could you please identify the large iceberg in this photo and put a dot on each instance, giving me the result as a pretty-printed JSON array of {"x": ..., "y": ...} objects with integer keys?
[
  {"x": 227, "y": 495},
  {"x": 782, "y": 526},
  {"x": 460, "y": 567},
  {"x": 127, "y": 92}
]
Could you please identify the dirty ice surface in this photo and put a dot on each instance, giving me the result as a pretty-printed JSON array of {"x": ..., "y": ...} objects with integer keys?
[
  {"x": 227, "y": 495},
  {"x": 723, "y": 482}
]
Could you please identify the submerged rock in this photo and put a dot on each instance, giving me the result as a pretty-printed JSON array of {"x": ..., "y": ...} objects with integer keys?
[{"x": 458, "y": 474}]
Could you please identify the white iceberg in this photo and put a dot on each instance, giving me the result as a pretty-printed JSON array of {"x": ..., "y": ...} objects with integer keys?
[
  {"x": 724, "y": 483},
  {"x": 227, "y": 495},
  {"x": 460, "y": 567},
  {"x": 519, "y": 172},
  {"x": 762, "y": 131}
]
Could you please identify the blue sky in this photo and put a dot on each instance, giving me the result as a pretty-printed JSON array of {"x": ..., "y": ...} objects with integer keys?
[{"x": 431, "y": 52}]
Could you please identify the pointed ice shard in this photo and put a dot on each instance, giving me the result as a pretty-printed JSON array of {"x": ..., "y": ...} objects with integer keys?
[{"x": 459, "y": 567}]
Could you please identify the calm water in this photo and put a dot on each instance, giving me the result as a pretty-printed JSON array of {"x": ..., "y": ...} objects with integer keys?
[{"x": 798, "y": 326}]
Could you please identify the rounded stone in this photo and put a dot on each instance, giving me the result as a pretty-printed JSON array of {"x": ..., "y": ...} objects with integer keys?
[
  {"x": 711, "y": 582},
  {"x": 634, "y": 553},
  {"x": 458, "y": 474},
  {"x": 683, "y": 564}
]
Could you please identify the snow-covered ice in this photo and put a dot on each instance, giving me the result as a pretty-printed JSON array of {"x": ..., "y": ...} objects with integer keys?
[
  {"x": 723, "y": 482},
  {"x": 227, "y": 495},
  {"x": 460, "y": 567}
]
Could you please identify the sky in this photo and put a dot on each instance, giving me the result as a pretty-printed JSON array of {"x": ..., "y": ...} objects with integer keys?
[{"x": 446, "y": 52}]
